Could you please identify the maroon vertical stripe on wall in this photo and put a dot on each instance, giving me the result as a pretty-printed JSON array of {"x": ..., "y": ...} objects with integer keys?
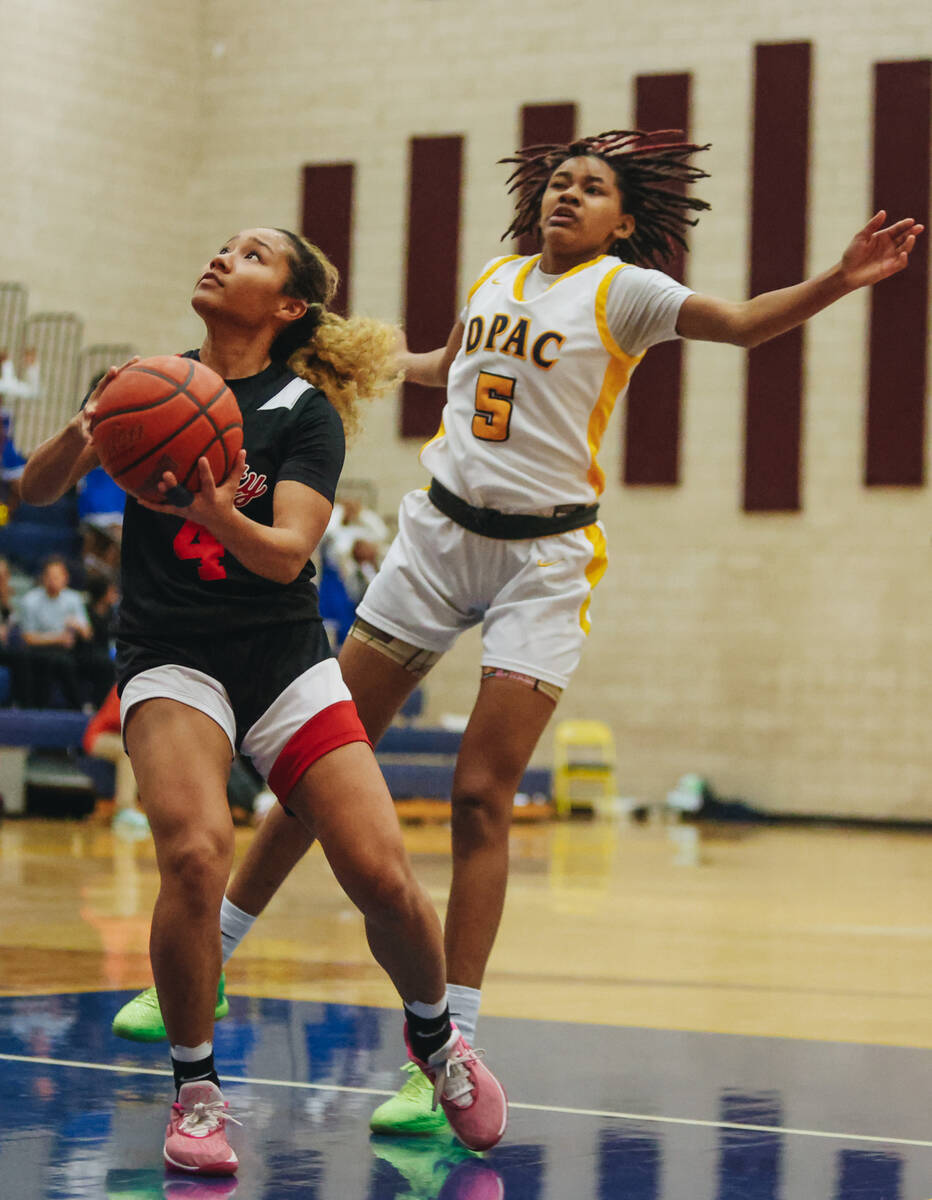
[
  {"x": 327, "y": 219},
  {"x": 652, "y": 419},
  {"x": 899, "y": 306},
  {"x": 543, "y": 125},
  {"x": 774, "y": 397},
  {"x": 433, "y": 253}
]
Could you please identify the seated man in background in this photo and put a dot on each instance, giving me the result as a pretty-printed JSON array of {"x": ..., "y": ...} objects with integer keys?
[{"x": 52, "y": 620}]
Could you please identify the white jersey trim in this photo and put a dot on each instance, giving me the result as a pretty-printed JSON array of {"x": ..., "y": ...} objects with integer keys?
[{"x": 288, "y": 397}]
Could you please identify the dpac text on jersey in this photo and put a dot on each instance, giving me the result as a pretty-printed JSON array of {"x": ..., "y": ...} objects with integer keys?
[{"x": 516, "y": 342}]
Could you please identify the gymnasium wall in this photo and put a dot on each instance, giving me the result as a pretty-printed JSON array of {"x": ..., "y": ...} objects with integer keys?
[
  {"x": 100, "y": 124},
  {"x": 782, "y": 654}
]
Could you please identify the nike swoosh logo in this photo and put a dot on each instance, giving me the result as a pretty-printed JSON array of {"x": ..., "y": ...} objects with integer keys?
[{"x": 549, "y": 562}]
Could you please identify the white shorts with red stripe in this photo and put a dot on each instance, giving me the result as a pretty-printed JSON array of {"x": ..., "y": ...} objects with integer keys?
[{"x": 313, "y": 715}]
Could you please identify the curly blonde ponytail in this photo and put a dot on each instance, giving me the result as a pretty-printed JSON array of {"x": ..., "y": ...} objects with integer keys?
[{"x": 351, "y": 359}]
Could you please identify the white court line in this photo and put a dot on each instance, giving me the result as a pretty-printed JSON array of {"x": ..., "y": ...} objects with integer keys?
[{"x": 544, "y": 1108}]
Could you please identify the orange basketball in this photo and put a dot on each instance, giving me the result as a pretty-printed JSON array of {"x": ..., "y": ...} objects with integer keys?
[{"x": 162, "y": 414}]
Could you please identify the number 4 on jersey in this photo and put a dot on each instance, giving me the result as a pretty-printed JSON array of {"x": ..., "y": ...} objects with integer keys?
[
  {"x": 193, "y": 541},
  {"x": 494, "y": 395}
]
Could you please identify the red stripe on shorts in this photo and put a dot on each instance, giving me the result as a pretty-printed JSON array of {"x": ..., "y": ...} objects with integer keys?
[{"x": 337, "y": 725}]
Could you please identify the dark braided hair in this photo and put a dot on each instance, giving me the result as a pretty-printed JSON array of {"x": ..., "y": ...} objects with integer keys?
[{"x": 650, "y": 168}]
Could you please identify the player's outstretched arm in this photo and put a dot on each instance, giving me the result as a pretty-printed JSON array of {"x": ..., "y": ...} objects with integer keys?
[
  {"x": 874, "y": 254},
  {"x": 430, "y": 369}
]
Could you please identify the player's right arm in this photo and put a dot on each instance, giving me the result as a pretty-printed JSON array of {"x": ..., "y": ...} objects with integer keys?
[
  {"x": 57, "y": 465},
  {"x": 60, "y": 461},
  {"x": 431, "y": 369}
]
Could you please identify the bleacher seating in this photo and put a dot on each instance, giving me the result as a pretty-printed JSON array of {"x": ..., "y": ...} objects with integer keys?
[
  {"x": 23, "y": 731},
  {"x": 417, "y": 761},
  {"x": 35, "y": 533}
]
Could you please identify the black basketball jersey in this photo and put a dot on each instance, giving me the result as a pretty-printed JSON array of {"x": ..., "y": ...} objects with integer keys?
[{"x": 177, "y": 578}]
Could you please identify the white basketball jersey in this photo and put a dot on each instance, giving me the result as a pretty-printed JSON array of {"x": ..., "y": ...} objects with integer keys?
[{"x": 531, "y": 390}]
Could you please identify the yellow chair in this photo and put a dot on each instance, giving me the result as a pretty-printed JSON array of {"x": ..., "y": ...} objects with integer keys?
[{"x": 583, "y": 767}]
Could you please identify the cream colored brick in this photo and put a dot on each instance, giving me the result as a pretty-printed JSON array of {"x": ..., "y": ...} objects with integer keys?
[{"x": 785, "y": 657}]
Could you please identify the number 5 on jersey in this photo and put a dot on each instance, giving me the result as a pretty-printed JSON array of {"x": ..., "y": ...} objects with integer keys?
[
  {"x": 494, "y": 395},
  {"x": 193, "y": 541}
]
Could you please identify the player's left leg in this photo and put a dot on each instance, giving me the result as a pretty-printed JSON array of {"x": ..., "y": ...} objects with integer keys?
[
  {"x": 504, "y": 728},
  {"x": 344, "y": 798}
]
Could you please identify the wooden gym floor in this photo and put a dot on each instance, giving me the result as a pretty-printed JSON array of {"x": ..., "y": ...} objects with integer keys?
[{"x": 725, "y": 1014}]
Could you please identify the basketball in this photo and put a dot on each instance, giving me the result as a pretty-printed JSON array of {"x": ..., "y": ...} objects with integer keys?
[{"x": 163, "y": 414}]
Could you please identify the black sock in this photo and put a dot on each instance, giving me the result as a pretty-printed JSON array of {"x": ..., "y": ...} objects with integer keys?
[
  {"x": 194, "y": 1072},
  {"x": 427, "y": 1034}
]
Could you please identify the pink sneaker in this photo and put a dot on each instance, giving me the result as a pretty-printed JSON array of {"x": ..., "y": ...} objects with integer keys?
[
  {"x": 199, "y": 1187},
  {"x": 470, "y": 1095},
  {"x": 473, "y": 1181},
  {"x": 196, "y": 1140}
]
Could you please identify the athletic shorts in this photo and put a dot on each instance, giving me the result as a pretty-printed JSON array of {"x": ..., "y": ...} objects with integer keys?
[
  {"x": 277, "y": 693},
  {"x": 531, "y": 597}
]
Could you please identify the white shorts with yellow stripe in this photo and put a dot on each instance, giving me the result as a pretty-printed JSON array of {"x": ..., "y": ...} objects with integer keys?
[{"x": 531, "y": 597}]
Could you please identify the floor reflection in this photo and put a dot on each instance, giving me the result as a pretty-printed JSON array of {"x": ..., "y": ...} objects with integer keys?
[{"x": 599, "y": 1113}]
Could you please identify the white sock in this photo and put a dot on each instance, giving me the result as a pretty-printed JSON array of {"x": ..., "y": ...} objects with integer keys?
[
  {"x": 192, "y": 1053},
  {"x": 464, "y": 1009},
  {"x": 234, "y": 925},
  {"x": 429, "y": 1012}
]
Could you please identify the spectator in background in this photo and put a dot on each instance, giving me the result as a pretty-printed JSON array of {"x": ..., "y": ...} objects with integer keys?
[
  {"x": 6, "y": 602},
  {"x": 354, "y": 544},
  {"x": 53, "y": 622},
  {"x": 100, "y": 553},
  {"x": 350, "y": 553},
  {"x": 12, "y": 388},
  {"x": 101, "y": 503},
  {"x": 100, "y": 510},
  {"x": 95, "y": 656},
  {"x": 16, "y": 690},
  {"x": 11, "y": 466},
  {"x": 5, "y": 610},
  {"x": 103, "y": 739}
]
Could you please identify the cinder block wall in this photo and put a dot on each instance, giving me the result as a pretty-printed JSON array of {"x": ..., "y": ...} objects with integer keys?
[
  {"x": 785, "y": 657},
  {"x": 101, "y": 119}
]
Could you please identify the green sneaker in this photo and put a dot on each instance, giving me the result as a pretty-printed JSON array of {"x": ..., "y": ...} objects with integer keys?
[
  {"x": 411, "y": 1109},
  {"x": 140, "y": 1019},
  {"x": 423, "y": 1164}
]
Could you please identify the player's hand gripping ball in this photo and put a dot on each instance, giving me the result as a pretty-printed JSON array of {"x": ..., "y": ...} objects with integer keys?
[{"x": 163, "y": 414}]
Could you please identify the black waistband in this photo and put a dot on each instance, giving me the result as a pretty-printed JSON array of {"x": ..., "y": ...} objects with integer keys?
[{"x": 489, "y": 522}]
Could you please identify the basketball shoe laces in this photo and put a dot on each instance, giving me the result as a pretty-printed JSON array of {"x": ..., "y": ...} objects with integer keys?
[
  {"x": 202, "y": 1119},
  {"x": 453, "y": 1081}
]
